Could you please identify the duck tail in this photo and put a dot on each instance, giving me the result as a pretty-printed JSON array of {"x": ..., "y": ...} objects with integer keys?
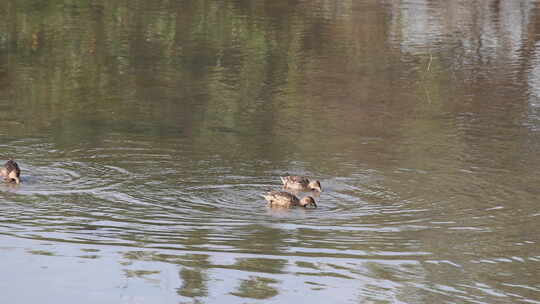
[{"x": 283, "y": 180}]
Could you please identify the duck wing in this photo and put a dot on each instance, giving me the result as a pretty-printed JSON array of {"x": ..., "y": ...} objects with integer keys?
[
  {"x": 295, "y": 179},
  {"x": 281, "y": 198}
]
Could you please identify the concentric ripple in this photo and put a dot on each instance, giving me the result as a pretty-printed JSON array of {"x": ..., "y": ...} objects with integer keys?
[{"x": 166, "y": 201}]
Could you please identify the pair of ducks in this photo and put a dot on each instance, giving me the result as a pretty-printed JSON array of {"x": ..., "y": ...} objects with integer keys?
[
  {"x": 287, "y": 200},
  {"x": 11, "y": 172}
]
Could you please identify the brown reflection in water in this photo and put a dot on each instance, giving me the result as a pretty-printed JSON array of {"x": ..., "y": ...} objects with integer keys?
[
  {"x": 143, "y": 274},
  {"x": 91, "y": 253},
  {"x": 256, "y": 288},
  {"x": 132, "y": 256},
  {"x": 259, "y": 265},
  {"x": 194, "y": 283},
  {"x": 196, "y": 237},
  {"x": 41, "y": 252},
  {"x": 193, "y": 275}
]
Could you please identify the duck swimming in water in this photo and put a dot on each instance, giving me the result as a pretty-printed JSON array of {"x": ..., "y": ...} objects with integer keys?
[
  {"x": 300, "y": 183},
  {"x": 286, "y": 200},
  {"x": 11, "y": 172}
]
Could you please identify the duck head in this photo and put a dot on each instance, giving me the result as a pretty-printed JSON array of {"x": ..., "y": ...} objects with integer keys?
[
  {"x": 10, "y": 172},
  {"x": 315, "y": 185},
  {"x": 9, "y": 176},
  {"x": 307, "y": 202}
]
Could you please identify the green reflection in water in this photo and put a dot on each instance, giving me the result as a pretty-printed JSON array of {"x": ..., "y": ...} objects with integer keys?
[
  {"x": 193, "y": 283},
  {"x": 256, "y": 288},
  {"x": 417, "y": 157},
  {"x": 193, "y": 276}
]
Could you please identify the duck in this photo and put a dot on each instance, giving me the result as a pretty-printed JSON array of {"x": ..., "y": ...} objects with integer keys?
[
  {"x": 287, "y": 200},
  {"x": 300, "y": 183},
  {"x": 11, "y": 172}
]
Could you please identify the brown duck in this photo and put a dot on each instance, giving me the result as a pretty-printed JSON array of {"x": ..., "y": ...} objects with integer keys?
[
  {"x": 11, "y": 172},
  {"x": 287, "y": 200},
  {"x": 300, "y": 183}
]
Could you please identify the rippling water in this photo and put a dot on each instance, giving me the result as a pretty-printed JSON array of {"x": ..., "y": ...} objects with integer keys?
[{"x": 146, "y": 133}]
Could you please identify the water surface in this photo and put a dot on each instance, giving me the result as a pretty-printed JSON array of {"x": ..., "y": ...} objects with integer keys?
[{"x": 146, "y": 132}]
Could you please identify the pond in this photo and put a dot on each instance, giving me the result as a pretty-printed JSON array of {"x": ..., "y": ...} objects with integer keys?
[{"x": 146, "y": 132}]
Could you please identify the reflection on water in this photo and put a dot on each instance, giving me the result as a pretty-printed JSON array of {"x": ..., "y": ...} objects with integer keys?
[{"x": 146, "y": 132}]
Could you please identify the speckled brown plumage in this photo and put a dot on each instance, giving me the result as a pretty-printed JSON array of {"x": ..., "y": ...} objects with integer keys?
[
  {"x": 11, "y": 171},
  {"x": 287, "y": 200},
  {"x": 300, "y": 183}
]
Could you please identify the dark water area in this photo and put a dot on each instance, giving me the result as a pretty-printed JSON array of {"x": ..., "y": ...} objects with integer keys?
[{"x": 146, "y": 132}]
